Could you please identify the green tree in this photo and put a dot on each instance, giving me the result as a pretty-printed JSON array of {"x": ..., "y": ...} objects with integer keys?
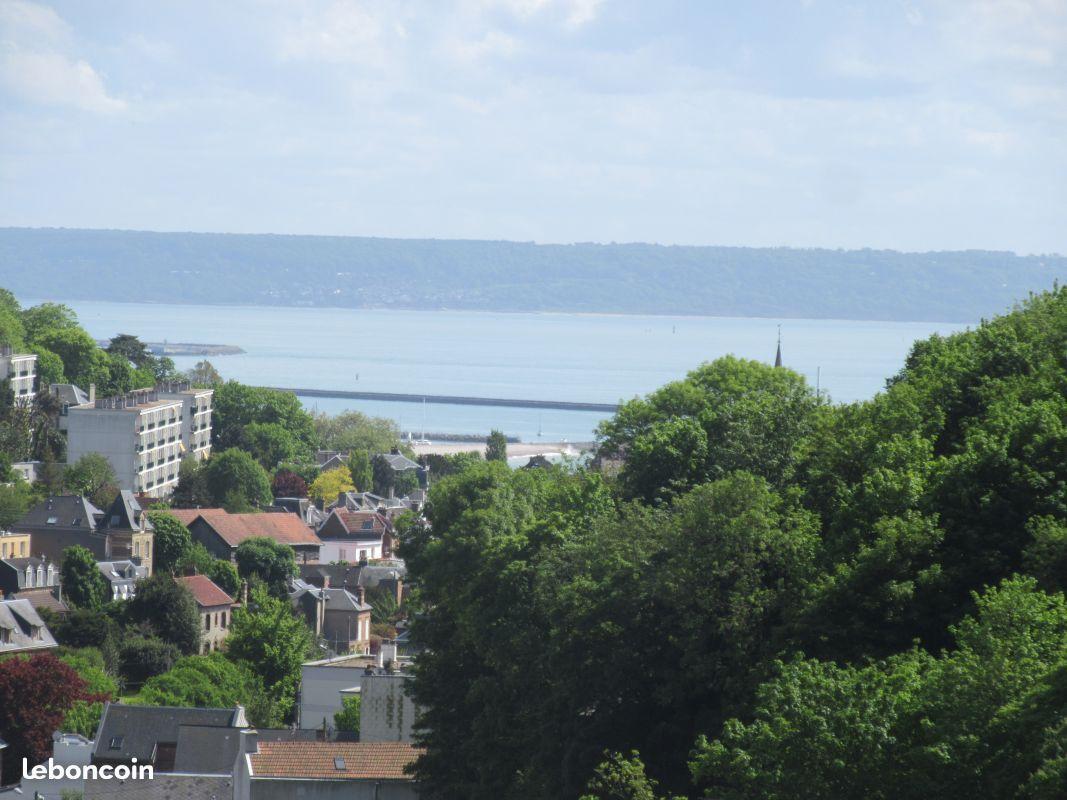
[
  {"x": 274, "y": 643},
  {"x": 96, "y": 629},
  {"x": 268, "y": 561},
  {"x": 235, "y": 406},
  {"x": 361, "y": 471},
  {"x": 209, "y": 681},
  {"x": 203, "y": 374},
  {"x": 41, "y": 319},
  {"x": 271, "y": 444},
  {"x": 92, "y": 476},
  {"x": 347, "y": 719},
  {"x": 131, "y": 349},
  {"x": 754, "y": 418},
  {"x": 192, "y": 490},
  {"x": 236, "y": 481},
  {"x": 84, "y": 585},
  {"x": 84, "y": 716},
  {"x": 83, "y": 361},
  {"x": 141, "y": 657},
  {"x": 351, "y": 430},
  {"x": 331, "y": 483},
  {"x": 621, "y": 778},
  {"x": 496, "y": 447},
  {"x": 169, "y": 608},
  {"x": 49, "y": 367},
  {"x": 172, "y": 541}
]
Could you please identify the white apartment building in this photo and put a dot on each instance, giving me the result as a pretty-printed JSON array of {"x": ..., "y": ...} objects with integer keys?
[
  {"x": 21, "y": 370},
  {"x": 196, "y": 416},
  {"x": 144, "y": 434}
]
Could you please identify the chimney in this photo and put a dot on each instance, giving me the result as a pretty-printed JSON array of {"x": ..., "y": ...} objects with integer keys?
[
  {"x": 362, "y": 594},
  {"x": 92, "y": 392}
]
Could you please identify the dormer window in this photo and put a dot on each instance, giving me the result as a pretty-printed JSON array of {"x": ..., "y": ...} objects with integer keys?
[
  {"x": 40, "y": 576},
  {"x": 29, "y": 577}
]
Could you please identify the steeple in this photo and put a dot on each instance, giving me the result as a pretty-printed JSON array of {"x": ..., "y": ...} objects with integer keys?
[{"x": 778, "y": 355}]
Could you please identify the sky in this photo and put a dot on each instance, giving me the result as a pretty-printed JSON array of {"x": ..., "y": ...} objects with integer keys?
[{"x": 807, "y": 123}]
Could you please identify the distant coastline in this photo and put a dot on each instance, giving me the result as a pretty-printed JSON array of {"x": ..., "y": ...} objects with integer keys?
[{"x": 319, "y": 272}]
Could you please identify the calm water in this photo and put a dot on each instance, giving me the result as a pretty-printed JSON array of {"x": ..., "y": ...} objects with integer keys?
[{"x": 534, "y": 356}]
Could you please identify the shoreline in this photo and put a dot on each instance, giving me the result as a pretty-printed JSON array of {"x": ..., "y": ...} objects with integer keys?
[{"x": 515, "y": 449}]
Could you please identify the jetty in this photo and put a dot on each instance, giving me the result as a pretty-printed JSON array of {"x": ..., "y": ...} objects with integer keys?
[{"x": 454, "y": 400}]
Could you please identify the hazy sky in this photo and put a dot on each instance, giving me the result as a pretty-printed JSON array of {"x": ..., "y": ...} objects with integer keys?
[{"x": 888, "y": 123}]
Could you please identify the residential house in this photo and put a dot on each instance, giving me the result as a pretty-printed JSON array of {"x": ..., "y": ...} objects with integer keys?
[
  {"x": 14, "y": 544},
  {"x": 398, "y": 462},
  {"x": 313, "y": 517},
  {"x": 355, "y": 536},
  {"x": 215, "y": 608},
  {"x": 20, "y": 371},
  {"x": 59, "y": 522},
  {"x": 222, "y": 532},
  {"x": 370, "y": 577},
  {"x": 33, "y": 579},
  {"x": 21, "y": 628},
  {"x": 338, "y": 616},
  {"x": 327, "y": 771},
  {"x": 122, "y": 576},
  {"x": 326, "y": 460}
]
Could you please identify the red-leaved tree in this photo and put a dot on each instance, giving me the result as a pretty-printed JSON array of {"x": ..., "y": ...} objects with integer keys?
[
  {"x": 288, "y": 484},
  {"x": 35, "y": 695}
]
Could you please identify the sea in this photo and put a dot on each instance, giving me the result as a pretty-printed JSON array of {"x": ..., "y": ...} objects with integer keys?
[{"x": 596, "y": 358}]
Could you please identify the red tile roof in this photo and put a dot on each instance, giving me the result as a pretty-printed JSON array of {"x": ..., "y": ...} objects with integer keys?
[
  {"x": 353, "y": 521},
  {"x": 187, "y": 515},
  {"x": 282, "y": 527},
  {"x": 362, "y": 760},
  {"x": 205, "y": 591}
]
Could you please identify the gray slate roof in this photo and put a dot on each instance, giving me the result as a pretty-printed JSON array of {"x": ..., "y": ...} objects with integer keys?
[
  {"x": 132, "y": 731},
  {"x": 122, "y": 571},
  {"x": 69, "y": 394},
  {"x": 206, "y": 750},
  {"x": 163, "y": 785},
  {"x": 126, "y": 514},
  {"x": 398, "y": 461},
  {"x": 19, "y": 566},
  {"x": 19, "y": 618},
  {"x": 344, "y": 575},
  {"x": 67, "y": 511}
]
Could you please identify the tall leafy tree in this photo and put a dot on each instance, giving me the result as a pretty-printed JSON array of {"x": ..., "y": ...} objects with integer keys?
[
  {"x": 172, "y": 541},
  {"x": 84, "y": 585},
  {"x": 361, "y": 471},
  {"x": 274, "y": 643},
  {"x": 496, "y": 447},
  {"x": 92, "y": 476},
  {"x": 268, "y": 561},
  {"x": 237, "y": 481},
  {"x": 169, "y": 608}
]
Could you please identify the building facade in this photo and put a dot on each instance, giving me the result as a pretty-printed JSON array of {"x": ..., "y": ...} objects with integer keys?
[
  {"x": 20, "y": 370},
  {"x": 14, "y": 545},
  {"x": 215, "y": 609},
  {"x": 144, "y": 434}
]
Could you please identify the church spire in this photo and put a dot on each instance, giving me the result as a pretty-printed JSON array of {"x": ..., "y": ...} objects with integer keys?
[{"x": 778, "y": 355}]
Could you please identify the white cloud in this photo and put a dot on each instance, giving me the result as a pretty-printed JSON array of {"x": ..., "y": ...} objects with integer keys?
[
  {"x": 37, "y": 61},
  {"x": 51, "y": 78}
]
